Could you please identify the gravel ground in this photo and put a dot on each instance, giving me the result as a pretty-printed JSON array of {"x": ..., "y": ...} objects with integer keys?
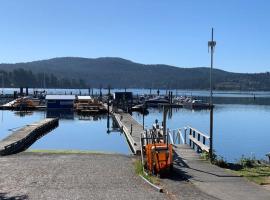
[{"x": 72, "y": 176}]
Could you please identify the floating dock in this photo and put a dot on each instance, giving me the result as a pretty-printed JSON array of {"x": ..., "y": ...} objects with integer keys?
[
  {"x": 21, "y": 139},
  {"x": 131, "y": 128},
  {"x": 23, "y": 103}
]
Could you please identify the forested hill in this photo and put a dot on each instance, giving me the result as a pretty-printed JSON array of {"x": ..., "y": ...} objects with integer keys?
[{"x": 121, "y": 73}]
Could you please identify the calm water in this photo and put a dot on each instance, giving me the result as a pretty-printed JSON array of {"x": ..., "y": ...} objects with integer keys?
[
  {"x": 238, "y": 129},
  {"x": 76, "y": 134},
  {"x": 203, "y": 93}
]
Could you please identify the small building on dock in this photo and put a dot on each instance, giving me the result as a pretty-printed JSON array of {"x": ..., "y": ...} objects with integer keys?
[
  {"x": 123, "y": 100},
  {"x": 84, "y": 99},
  {"x": 60, "y": 101},
  {"x": 123, "y": 96}
]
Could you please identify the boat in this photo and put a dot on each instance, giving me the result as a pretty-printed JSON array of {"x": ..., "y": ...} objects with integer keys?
[
  {"x": 157, "y": 101},
  {"x": 195, "y": 104}
]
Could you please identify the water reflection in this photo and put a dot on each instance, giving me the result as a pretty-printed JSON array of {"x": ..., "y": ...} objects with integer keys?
[
  {"x": 74, "y": 132},
  {"x": 23, "y": 113},
  {"x": 61, "y": 114},
  {"x": 238, "y": 129}
]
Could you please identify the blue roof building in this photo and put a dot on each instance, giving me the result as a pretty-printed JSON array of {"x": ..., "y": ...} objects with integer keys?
[{"x": 60, "y": 101}]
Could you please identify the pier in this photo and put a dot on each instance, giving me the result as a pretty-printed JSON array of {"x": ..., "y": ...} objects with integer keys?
[
  {"x": 21, "y": 139},
  {"x": 131, "y": 128}
]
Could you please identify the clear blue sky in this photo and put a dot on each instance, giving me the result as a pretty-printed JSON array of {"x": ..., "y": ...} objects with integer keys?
[{"x": 171, "y": 32}]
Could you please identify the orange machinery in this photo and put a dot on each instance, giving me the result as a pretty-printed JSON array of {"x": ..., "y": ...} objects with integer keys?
[{"x": 157, "y": 151}]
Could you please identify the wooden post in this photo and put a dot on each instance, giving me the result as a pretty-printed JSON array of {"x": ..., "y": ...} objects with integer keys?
[
  {"x": 211, "y": 134},
  {"x": 165, "y": 110},
  {"x": 143, "y": 118},
  {"x": 185, "y": 136}
]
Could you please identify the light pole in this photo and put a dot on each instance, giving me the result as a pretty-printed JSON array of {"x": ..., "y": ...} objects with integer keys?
[
  {"x": 2, "y": 74},
  {"x": 211, "y": 45}
]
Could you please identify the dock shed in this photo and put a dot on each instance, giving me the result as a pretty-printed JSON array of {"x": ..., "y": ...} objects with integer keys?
[
  {"x": 84, "y": 99},
  {"x": 123, "y": 96},
  {"x": 123, "y": 100},
  {"x": 60, "y": 101}
]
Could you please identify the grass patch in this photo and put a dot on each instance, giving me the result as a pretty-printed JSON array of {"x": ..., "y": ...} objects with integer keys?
[
  {"x": 139, "y": 171},
  {"x": 257, "y": 174},
  {"x": 254, "y": 170},
  {"x": 66, "y": 151}
]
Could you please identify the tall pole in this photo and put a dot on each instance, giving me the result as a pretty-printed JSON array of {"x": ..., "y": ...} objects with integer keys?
[
  {"x": 44, "y": 81},
  {"x": 2, "y": 83},
  {"x": 212, "y": 45}
]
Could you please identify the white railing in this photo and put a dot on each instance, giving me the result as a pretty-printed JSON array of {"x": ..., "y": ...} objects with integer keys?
[
  {"x": 188, "y": 135},
  {"x": 198, "y": 139},
  {"x": 178, "y": 136}
]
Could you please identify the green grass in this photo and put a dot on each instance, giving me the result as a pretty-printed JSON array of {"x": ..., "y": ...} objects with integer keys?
[
  {"x": 139, "y": 171},
  {"x": 257, "y": 174},
  {"x": 66, "y": 151},
  {"x": 249, "y": 168}
]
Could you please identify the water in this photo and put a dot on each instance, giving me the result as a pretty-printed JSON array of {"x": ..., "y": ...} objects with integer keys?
[
  {"x": 178, "y": 92},
  {"x": 240, "y": 124},
  {"x": 238, "y": 129},
  {"x": 72, "y": 133}
]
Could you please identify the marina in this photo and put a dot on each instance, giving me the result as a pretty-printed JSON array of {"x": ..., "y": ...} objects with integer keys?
[
  {"x": 134, "y": 100},
  {"x": 241, "y": 117}
]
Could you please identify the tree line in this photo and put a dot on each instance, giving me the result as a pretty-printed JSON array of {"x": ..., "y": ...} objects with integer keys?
[{"x": 26, "y": 78}]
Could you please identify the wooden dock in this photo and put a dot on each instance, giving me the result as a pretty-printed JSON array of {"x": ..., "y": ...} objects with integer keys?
[
  {"x": 131, "y": 128},
  {"x": 14, "y": 104},
  {"x": 21, "y": 139}
]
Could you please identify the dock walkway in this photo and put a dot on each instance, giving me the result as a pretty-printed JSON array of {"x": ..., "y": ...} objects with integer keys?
[
  {"x": 131, "y": 128},
  {"x": 215, "y": 181},
  {"x": 21, "y": 139}
]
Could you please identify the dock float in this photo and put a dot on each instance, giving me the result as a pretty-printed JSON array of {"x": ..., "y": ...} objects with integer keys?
[
  {"x": 131, "y": 128},
  {"x": 23, "y": 138}
]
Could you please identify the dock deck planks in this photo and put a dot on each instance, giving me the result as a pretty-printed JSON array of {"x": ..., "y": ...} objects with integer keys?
[
  {"x": 125, "y": 124},
  {"x": 25, "y": 136}
]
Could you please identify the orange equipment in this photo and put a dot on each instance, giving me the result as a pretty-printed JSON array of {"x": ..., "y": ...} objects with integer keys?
[
  {"x": 157, "y": 153},
  {"x": 159, "y": 157}
]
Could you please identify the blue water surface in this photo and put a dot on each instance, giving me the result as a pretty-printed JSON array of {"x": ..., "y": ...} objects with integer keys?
[
  {"x": 89, "y": 133},
  {"x": 238, "y": 129}
]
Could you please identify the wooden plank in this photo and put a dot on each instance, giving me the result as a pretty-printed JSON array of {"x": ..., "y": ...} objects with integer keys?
[
  {"x": 200, "y": 144},
  {"x": 133, "y": 137},
  {"x": 202, "y": 134}
]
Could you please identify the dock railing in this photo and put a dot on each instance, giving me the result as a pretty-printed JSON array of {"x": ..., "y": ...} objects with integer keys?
[
  {"x": 198, "y": 140},
  {"x": 178, "y": 136},
  {"x": 191, "y": 136}
]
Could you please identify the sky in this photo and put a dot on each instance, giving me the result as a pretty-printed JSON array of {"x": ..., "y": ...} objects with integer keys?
[{"x": 173, "y": 32}]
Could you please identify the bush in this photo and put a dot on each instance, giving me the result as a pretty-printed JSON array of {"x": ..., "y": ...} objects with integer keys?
[
  {"x": 247, "y": 162},
  {"x": 219, "y": 161}
]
